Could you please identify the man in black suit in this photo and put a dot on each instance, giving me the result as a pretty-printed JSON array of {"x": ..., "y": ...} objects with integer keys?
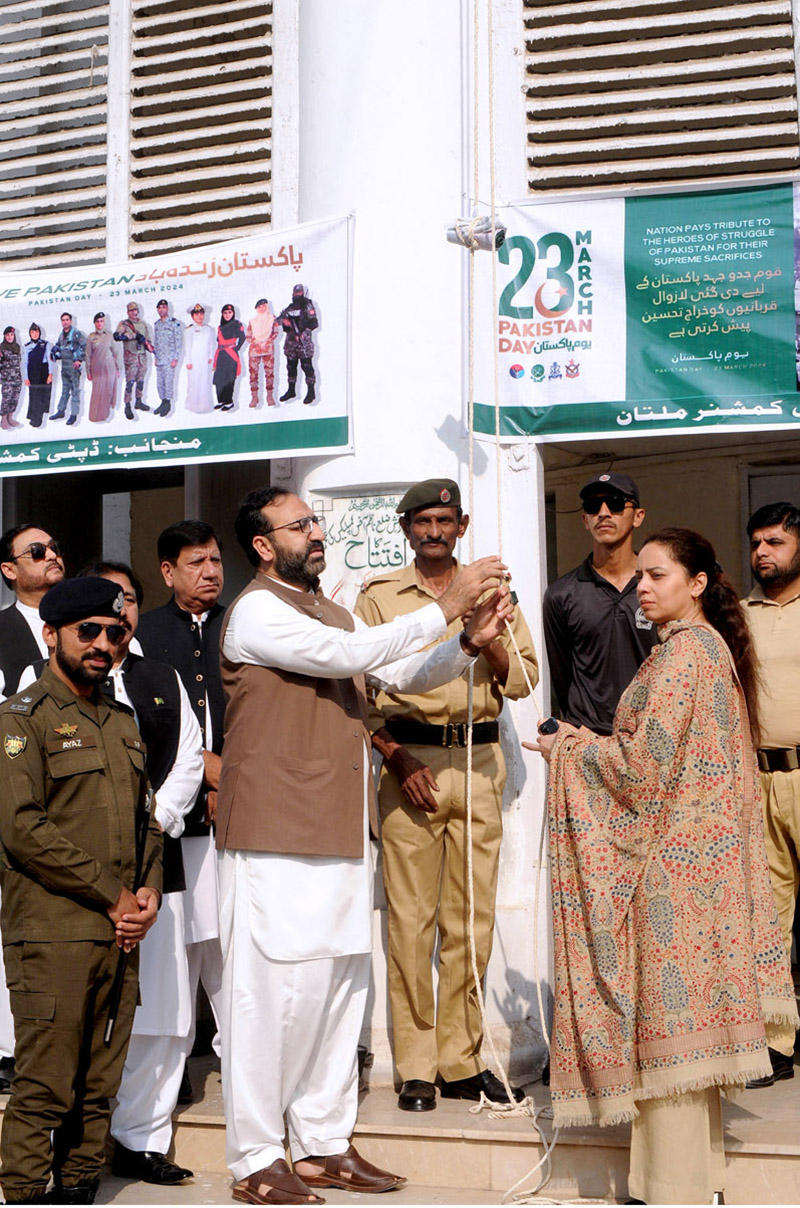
[{"x": 31, "y": 563}]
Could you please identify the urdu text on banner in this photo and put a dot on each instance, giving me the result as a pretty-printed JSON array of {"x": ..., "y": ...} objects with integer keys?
[
  {"x": 180, "y": 358},
  {"x": 632, "y": 316}
]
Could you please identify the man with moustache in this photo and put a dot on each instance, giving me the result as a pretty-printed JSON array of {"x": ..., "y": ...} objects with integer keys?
[
  {"x": 75, "y": 806},
  {"x": 423, "y": 740},
  {"x": 185, "y": 634},
  {"x": 596, "y": 634},
  {"x": 773, "y": 614},
  {"x": 30, "y": 563},
  {"x": 296, "y": 801}
]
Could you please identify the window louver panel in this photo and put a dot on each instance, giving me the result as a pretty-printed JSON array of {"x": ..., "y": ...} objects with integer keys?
[
  {"x": 53, "y": 75},
  {"x": 201, "y": 113},
  {"x": 658, "y": 91}
]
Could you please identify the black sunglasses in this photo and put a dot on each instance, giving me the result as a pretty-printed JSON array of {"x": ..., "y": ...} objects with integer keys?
[
  {"x": 37, "y": 551},
  {"x": 614, "y": 503},
  {"x": 87, "y": 631}
]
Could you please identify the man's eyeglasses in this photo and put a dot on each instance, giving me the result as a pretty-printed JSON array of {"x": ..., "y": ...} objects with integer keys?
[
  {"x": 37, "y": 551},
  {"x": 303, "y": 525},
  {"x": 89, "y": 631},
  {"x": 614, "y": 503}
]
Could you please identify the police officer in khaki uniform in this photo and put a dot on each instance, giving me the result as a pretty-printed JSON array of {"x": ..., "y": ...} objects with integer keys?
[
  {"x": 74, "y": 796},
  {"x": 423, "y": 740}
]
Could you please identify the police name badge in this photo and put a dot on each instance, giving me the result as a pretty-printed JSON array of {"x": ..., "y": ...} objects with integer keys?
[{"x": 14, "y": 745}]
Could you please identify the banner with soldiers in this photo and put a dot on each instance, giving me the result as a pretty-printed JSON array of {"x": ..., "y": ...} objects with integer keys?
[{"x": 236, "y": 349}]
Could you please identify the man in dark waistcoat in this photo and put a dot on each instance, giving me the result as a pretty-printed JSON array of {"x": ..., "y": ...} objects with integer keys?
[
  {"x": 185, "y": 633},
  {"x": 31, "y": 563},
  {"x": 75, "y": 817},
  {"x": 295, "y": 804},
  {"x": 163, "y": 1031}
]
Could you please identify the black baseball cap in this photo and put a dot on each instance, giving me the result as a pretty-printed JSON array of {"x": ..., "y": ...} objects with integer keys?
[{"x": 612, "y": 481}]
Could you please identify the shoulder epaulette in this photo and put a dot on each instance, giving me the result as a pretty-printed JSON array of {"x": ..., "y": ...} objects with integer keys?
[
  {"x": 380, "y": 576},
  {"x": 26, "y": 701}
]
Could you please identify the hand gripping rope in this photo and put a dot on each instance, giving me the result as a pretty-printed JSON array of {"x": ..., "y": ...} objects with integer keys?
[{"x": 486, "y": 234}]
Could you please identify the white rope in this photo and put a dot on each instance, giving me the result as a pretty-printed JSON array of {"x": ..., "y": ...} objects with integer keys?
[{"x": 466, "y": 235}]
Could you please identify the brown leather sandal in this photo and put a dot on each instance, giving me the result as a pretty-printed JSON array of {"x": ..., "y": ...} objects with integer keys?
[
  {"x": 350, "y": 1172},
  {"x": 275, "y": 1184}
]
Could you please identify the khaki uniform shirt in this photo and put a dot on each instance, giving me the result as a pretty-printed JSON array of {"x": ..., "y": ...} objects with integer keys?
[
  {"x": 72, "y": 782},
  {"x": 776, "y": 634},
  {"x": 399, "y": 592}
]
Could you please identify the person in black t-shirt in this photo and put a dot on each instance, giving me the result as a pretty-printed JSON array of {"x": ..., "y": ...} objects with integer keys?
[{"x": 596, "y": 634}]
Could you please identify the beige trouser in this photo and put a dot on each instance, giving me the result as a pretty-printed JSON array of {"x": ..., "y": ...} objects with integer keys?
[
  {"x": 425, "y": 874},
  {"x": 781, "y": 799},
  {"x": 677, "y": 1153}
]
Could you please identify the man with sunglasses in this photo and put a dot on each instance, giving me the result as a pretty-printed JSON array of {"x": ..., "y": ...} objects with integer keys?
[
  {"x": 296, "y": 806},
  {"x": 596, "y": 634},
  {"x": 30, "y": 563},
  {"x": 75, "y": 817}
]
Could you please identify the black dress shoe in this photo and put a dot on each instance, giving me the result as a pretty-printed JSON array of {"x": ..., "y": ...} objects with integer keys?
[
  {"x": 416, "y": 1095},
  {"x": 140, "y": 406},
  {"x": 470, "y": 1088},
  {"x": 782, "y": 1069},
  {"x": 6, "y": 1074},
  {"x": 78, "y": 1193},
  {"x": 147, "y": 1166}
]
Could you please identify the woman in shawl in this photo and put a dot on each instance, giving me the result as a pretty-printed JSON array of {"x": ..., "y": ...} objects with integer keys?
[
  {"x": 39, "y": 377},
  {"x": 199, "y": 352},
  {"x": 10, "y": 378},
  {"x": 668, "y": 955},
  {"x": 227, "y": 365},
  {"x": 103, "y": 368}
]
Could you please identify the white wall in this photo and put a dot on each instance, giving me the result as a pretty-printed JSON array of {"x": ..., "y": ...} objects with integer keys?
[{"x": 384, "y": 129}]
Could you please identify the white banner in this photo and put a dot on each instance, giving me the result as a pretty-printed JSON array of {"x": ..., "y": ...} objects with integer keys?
[{"x": 237, "y": 349}]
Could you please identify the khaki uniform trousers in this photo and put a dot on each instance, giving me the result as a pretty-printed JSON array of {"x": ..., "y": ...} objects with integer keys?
[
  {"x": 677, "y": 1152},
  {"x": 425, "y": 876},
  {"x": 65, "y": 1074},
  {"x": 781, "y": 801}
]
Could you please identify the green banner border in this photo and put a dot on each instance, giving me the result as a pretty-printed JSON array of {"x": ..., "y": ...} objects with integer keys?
[
  {"x": 300, "y": 437},
  {"x": 582, "y": 420}
]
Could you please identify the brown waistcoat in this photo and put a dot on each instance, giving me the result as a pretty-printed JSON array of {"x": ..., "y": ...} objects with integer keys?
[{"x": 293, "y": 761}]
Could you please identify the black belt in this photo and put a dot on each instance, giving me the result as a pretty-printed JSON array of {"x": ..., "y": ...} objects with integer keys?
[
  {"x": 418, "y": 734},
  {"x": 779, "y": 759}
]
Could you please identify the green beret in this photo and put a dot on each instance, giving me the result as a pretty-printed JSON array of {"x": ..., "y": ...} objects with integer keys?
[
  {"x": 76, "y": 599},
  {"x": 432, "y": 493}
]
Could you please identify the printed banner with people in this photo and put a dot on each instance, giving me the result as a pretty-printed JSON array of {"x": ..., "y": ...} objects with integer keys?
[
  {"x": 670, "y": 313},
  {"x": 236, "y": 349}
]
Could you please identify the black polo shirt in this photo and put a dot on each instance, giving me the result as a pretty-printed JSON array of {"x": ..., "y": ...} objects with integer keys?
[{"x": 597, "y": 638}]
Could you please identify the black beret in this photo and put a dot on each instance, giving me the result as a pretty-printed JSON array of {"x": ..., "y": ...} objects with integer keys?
[
  {"x": 76, "y": 599},
  {"x": 432, "y": 493}
]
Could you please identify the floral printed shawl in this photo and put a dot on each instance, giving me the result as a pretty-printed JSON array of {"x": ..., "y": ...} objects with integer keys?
[{"x": 668, "y": 954}]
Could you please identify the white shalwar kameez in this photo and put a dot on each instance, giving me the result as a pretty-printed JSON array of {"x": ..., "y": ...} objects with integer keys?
[
  {"x": 296, "y": 931},
  {"x": 162, "y": 1033}
]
